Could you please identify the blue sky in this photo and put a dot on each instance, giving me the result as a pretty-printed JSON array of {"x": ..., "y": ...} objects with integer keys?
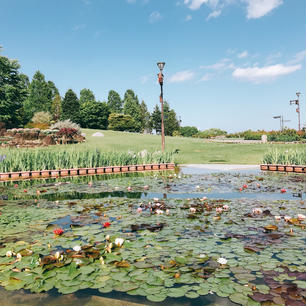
[{"x": 230, "y": 64}]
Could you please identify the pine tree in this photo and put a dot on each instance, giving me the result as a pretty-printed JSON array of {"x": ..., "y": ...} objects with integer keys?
[
  {"x": 70, "y": 106},
  {"x": 146, "y": 124},
  {"x": 156, "y": 119},
  {"x": 131, "y": 107},
  {"x": 114, "y": 102},
  {"x": 86, "y": 95},
  {"x": 56, "y": 108}
]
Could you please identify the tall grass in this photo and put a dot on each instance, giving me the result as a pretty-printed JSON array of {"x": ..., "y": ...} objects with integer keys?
[
  {"x": 72, "y": 157},
  {"x": 288, "y": 157}
]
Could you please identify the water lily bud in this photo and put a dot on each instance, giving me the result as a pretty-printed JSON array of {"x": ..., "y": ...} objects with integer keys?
[
  {"x": 245, "y": 186},
  {"x": 9, "y": 254},
  {"x": 167, "y": 211},
  {"x": 139, "y": 210},
  {"x": 129, "y": 188},
  {"x": 192, "y": 210},
  {"x": 77, "y": 248},
  {"x": 222, "y": 261},
  {"x": 18, "y": 256},
  {"x": 119, "y": 242},
  {"x": 107, "y": 237},
  {"x": 102, "y": 261},
  {"x": 57, "y": 255},
  {"x": 277, "y": 218},
  {"x": 301, "y": 217},
  {"x": 56, "y": 202},
  {"x": 61, "y": 258}
]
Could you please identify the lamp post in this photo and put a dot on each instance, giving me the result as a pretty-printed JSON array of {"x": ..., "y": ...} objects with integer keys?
[
  {"x": 297, "y": 102},
  {"x": 281, "y": 121},
  {"x": 161, "y": 66}
]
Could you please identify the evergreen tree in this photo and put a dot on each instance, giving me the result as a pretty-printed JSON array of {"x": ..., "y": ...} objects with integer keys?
[
  {"x": 146, "y": 124},
  {"x": 131, "y": 107},
  {"x": 86, "y": 95},
  {"x": 70, "y": 106},
  {"x": 94, "y": 115},
  {"x": 121, "y": 122},
  {"x": 56, "y": 108},
  {"x": 53, "y": 90},
  {"x": 156, "y": 119},
  {"x": 114, "y": 102},
  {"x": 40, "y": 96},
  {"x": 171, "y": 123},
  {"x": 13, "y": 91}
]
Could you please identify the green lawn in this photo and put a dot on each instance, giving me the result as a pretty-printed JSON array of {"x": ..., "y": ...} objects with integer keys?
[{"x": 192, "y": 150}]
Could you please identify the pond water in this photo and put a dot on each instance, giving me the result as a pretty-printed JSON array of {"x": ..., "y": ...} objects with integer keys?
[{"x": 188, "y": 237}]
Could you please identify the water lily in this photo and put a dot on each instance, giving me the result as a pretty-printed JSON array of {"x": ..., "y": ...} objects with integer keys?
[
  {"x": 146, "y": 187},
  {"x": 25, "y": 191},
  {"x": 283, "y": 190},
  {"x": 57, "y": 255},
  {"x": 9, "y": 254},
  {"x": 159, "y": 212},
  {"x": 198, "y": 187},
  {"x": 102, "y": 261},
  {"x": 155, "y": 199},
  {"x": 16, "y": 185},
  {"x": 119, "y": 242},
  {"x": 192, "y": 210},
  {"x": 257, "y": 211},
  {"x": 167, "y": 211},
  {"x": 222, "y": 261},
  {"x": 129, "y": 188},
  {"x": 108, "y": 248},
  {"x": 287, "y": 218},
  {"x": 139, "y": 210},
  {"x": 277, "y": 218},
  {"x": 106, "y": 224},
  {"x": 245, "y": 186},
  {"x": 58, "y": 231},
  {"x": 107, "y": 237},
  {"x": 219, "y": 210},
  {"x": 78, "y": 262},
  {"x": 225, "y": 207},
  {"x": 77, "y": 248},
  {"x": 19, "y": 256},
  {"x": 301, "y": 217}
]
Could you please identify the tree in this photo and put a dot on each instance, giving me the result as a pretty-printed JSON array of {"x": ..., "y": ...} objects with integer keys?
[
  {"x": 53, "y": 90},
  {"x": 156, "y": 119},
  {"x": 70, "y": 106},
  {"x": 121, "y": 122},
  {"x": 86, "y": 95},
  {"x": 13, "y": 92},
  {"x": 94, "y": 115},
  {"x": 114, "y": 102},
  {"x": 131, "y": 107},
  {"x": 56, "y": 107},
  {"x": 170, "y": 121},
  {"x": 146, "y": 124},
  {"x": 188, "y": 131},
  {"x": 40, "y": 95}
]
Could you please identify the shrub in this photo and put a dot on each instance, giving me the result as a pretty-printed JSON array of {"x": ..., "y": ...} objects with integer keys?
[
  {"x": 42, "y": 117},
  {"x": 121, "y": 122},
  {"x": 66, "y": 124},
  {"x": 210, "y": 133},
  {"x": 68, "y": 132},
  {"x": 188, "y": 131},
  {"x": 176, "y": 133},
  {"x": 40, "y": 126}
]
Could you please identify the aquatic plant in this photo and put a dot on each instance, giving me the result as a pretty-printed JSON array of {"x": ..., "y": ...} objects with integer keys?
[{"x": 288, "y": 157}]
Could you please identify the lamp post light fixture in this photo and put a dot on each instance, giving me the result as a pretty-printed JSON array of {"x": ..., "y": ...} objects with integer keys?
[
  {"x": 161, "y": 66},
  {"x": 281, "y": 121},
  {"x": 297, "y": 102}
]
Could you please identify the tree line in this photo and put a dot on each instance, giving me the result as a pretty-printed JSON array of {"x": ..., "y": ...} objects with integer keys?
[{"x": 21, "y": 99}]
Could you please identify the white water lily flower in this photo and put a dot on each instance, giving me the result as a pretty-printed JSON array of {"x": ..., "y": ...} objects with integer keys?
[
  {"x": 18, "y": 256},
  {"x": 119, "y": 242},
  {"x": 77, "y": 248},
  {"x": 287, "y": 218},
  {"x": 78, "y": 262},
  {"x": 202, "y": 256},
  {"x": 9, "y": 254},
  {"x": 192, "y": 210},
  {"x": 167, "y": 211},
  {"x": 277, "y": 218},
  {"x": 301, "y": 217},
  {"x": 159, "y": 212},
  {"x": 257, "y": 211},
  {"x": 107, "y": 237},
  {"x": 198, "y": 187},
  {"x": 57, "y": 255},
  {"x": 102, "y": 261},
  {"x": 155, "y": 199},
  {"x": 222, "y": 261}
]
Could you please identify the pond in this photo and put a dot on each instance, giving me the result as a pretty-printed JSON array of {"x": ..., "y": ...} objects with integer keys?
[{"x": 187, "y": 237}]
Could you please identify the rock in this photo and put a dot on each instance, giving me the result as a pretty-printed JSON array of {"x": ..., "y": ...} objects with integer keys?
[
  {"x": 264, "y": 138},
  {"x": 97, "y": 134}
]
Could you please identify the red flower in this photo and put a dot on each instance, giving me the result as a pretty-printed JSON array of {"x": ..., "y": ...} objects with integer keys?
[
  {"x": 283, "y": 190},
  {"x": 24, "y": 190},
  {"x": 240, "y": 189},
  {"x": 106, "y": 224},
  {"x": 16, "y": 185},
  {"x": 245, "y": 186},
  {"x": 58, "y": 231}
]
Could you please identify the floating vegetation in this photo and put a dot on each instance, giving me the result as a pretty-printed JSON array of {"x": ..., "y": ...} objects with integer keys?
[{"x": 242, "y": 249}]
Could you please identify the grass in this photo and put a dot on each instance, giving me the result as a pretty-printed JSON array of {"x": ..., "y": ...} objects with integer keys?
[{"x": 192, "y": 150}]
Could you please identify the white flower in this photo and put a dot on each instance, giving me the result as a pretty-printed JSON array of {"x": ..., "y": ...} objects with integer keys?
[
  {"x": 78, "y": 262},
  {"x": 287, "y": 218},
  {"x": 159, "y": 212},
  {"x": 77, "y": 248},
  {"x": 102, "y": 261},
  {"x": 107, "y": 237},
  {"x": 119, "y": 242},
  {"x": 9, "y": 254},
  {"x": 192, "y": 210},
  {"x": 277, "y": 218},
  {"x": 155, "y": 199},
  {"x": 198, "y": 187},
  {"x": 202, "y": 256},
  {"x": 257, "y": 211},
  {"x": 167, "y": 211},
  {"x": 57, "y": 255},
  {"x": 301, "y": 217},
  {"x": 222, "y": 261},
  {"x": 225, "y": 207},
  {"x": 219, "y": 210},
  {"x": 18, "y": 256}
]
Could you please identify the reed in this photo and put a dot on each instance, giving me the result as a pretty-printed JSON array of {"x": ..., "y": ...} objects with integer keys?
[
  {"x": 288, "y": 157},
  {"x": 12, "y": 160}
]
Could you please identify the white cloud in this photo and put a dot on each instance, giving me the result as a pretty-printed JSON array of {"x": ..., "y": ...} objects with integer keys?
[
  {"x": 155, "y": 17},
  {"x": 259, "y": 8},
  {"x": 214, "y": 14},
  {"x": 188, "y": 18},
  {"x": 206, "y": 77},
  {"x": 195, "y": 4},
  {"x": 181, "y": 76},
  {"x": 265, "y": 73},
  {"x": 222, "y": 65},
  {"x": 243, "y": 54},
  {"x": 299, "y": 57}
]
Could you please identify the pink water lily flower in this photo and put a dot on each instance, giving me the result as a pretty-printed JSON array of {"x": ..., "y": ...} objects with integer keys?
[
  {"x": 192, "y": 210},
  {"x": 219, "y": 210},
  {"x": 139, "y": 210},
  {"x": 277, "y": 218},
  {"x": 301, "y": 217},
  {"x": 257, "y": 211},
  {"x": 225, "y": 207}
]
